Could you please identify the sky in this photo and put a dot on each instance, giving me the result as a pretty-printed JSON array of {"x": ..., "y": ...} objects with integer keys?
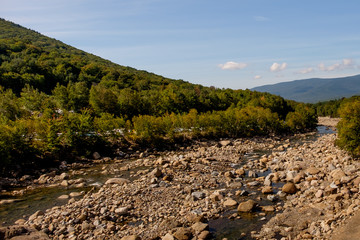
[{"x": 234, "y": 44}]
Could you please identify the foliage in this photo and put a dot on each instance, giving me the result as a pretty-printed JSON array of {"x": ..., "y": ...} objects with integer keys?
[
  {"x": 59, "y": 102},
  {"x": 349, "y": 127}
]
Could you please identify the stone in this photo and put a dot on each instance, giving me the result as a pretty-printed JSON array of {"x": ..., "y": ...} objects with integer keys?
[
  {"x": 64, "y": 183},
  {"x": 229, "y": 175},
  {"x": 240, "y": 172},
  {"x": 230, "y": 203},
  {"x": 289, "y": 188},
  {"x": 198, "y": 195},
  {"x": 312, "y": 170},
  {"x": 247, "y": 206},
  {"x": 36, "y": 214},
  {"x": 63, "y": 176},
  {"x": 156, "y": 172},
  {"x": 199, "y": 227},
  {"x": 131, "y": 237},
  {"x": 268, "y": 208},
  {"x": 122, "y": 210},
  {"x": 63, "y": 196},
  {"x": 225, "y": 143},
  {"x": 204, "y": 235},
  {"x": 267, "y": 190},
  {"x": 119, "y": 181},
  {"x": 337, "y": 174},
  {"x": 252, "y": 174},
  {"x": 168, "y": 236},
  {"x": 272, "y": 198},
  {"x": 96, "y": 155},
  {"x": 319, "y": 193},
  {"x": 183, "y": 234},
  {"x": 75, "y": 194}
]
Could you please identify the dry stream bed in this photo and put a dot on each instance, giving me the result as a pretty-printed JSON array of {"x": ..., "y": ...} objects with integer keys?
[{"x": 301, "y": 187}]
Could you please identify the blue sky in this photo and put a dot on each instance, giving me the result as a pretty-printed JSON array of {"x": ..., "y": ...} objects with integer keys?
[{"x": 234, "y": 44}]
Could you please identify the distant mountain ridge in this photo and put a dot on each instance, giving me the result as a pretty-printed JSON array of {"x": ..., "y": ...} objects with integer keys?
[{"x": 315, "y": 89}]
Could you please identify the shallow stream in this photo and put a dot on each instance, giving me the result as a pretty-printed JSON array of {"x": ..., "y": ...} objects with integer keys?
[{"x": 43, "y": 198}]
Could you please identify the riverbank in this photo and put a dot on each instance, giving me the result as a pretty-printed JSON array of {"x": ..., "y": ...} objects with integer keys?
[{"x": 181, "y": 193}]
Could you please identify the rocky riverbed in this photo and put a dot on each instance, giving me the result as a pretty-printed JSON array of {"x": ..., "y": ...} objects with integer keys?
[{"x": 299, "y": 188}]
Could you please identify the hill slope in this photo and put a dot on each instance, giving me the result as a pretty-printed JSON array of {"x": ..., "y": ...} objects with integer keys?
[{"x": 315, "y": 89}]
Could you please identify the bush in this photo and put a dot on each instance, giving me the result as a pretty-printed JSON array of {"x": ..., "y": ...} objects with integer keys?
[{"x": 349, "y": 128}]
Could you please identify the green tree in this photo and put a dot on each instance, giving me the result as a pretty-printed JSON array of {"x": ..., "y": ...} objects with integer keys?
[{"x": 349, "y": 127}]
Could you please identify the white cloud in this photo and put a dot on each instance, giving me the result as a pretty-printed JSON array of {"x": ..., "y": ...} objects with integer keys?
[
  {"x": 306, "y": 70},
  {"x": 345, "y": 63},
  {"x": 348, "y": 62},
  {"x": 276, "y": 67},
  {"x": 232, "y": 65},
  {"x": 257, "y": 77}
]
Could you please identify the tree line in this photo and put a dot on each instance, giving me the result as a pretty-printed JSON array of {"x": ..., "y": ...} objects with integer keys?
[{"x": 57, "y": 102}]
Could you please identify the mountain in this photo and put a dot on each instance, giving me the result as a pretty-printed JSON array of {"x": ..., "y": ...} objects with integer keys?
[{"x": 315, "y": 89}]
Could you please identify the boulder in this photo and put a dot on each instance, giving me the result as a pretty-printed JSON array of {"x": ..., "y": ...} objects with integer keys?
[
  {"x": 119, "y": 181},
  {"x": 230, "y": 203},
  {"x": 267, "y": 190},
  {"x": 183, "y": 234},
  {"x": 312, "y": 170},
  {"x": 168, "y": 236},
  {"x": 289, "y": 188},
  {"x": 199, "y": 227},
  {"x": 247, "y": 206},
  {"x": 337, "y": 174}
]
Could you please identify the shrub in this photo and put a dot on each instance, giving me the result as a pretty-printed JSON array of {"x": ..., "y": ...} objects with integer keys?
[{"x": 349, "y": 128}]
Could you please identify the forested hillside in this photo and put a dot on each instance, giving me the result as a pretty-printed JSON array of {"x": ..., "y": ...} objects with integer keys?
[{"x": 58, "y": 102}]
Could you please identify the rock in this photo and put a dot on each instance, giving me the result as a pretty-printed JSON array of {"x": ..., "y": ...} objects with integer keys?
[
  {"x": 122, "y": 210},
  {"x": 272, "y": 198},
  {"x": 319, "y": 193},
  {"x": 63, "y": 196},
  {"x": 247, "y": 206},
  {"x": 63, "y": 176},
  {"x": 225, "y": 143},
  {"x": 198, "y": 195},
  {"x": 240, "y": 172},
  {"x": 337, "y": 174},
  {"x": 64, "y": 183},
  {"x": 75, "y": 194},
  {"x": 96, "y": 155},
  {"x": 229, "y": 175},
  {"x": 290, "y": 175},
  {"x": 168, "y": 236},
  {"x": 230, "y": 203},
  {"x": 289, "y": 188},
  {"x": 8, "y": 201},
  {"x": 36, "y": 214},
  {"x": 204, "y": 235},
  {"x": 252, "y": 174},
  {"x": 312, "y": 171},
  {"x": 268, "y": 208},
  {"x": 156, "y": 172},
  {"x": 199, "y": 227},
  {"x": 183, "y": 234},
  {"x": 119, "y": 181},
  {"x": 131, "y": 237},
  {"x": 267, "y": 190},
  {"x": 22, "y": 233},
  {"x": 20, "y": 222}
]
